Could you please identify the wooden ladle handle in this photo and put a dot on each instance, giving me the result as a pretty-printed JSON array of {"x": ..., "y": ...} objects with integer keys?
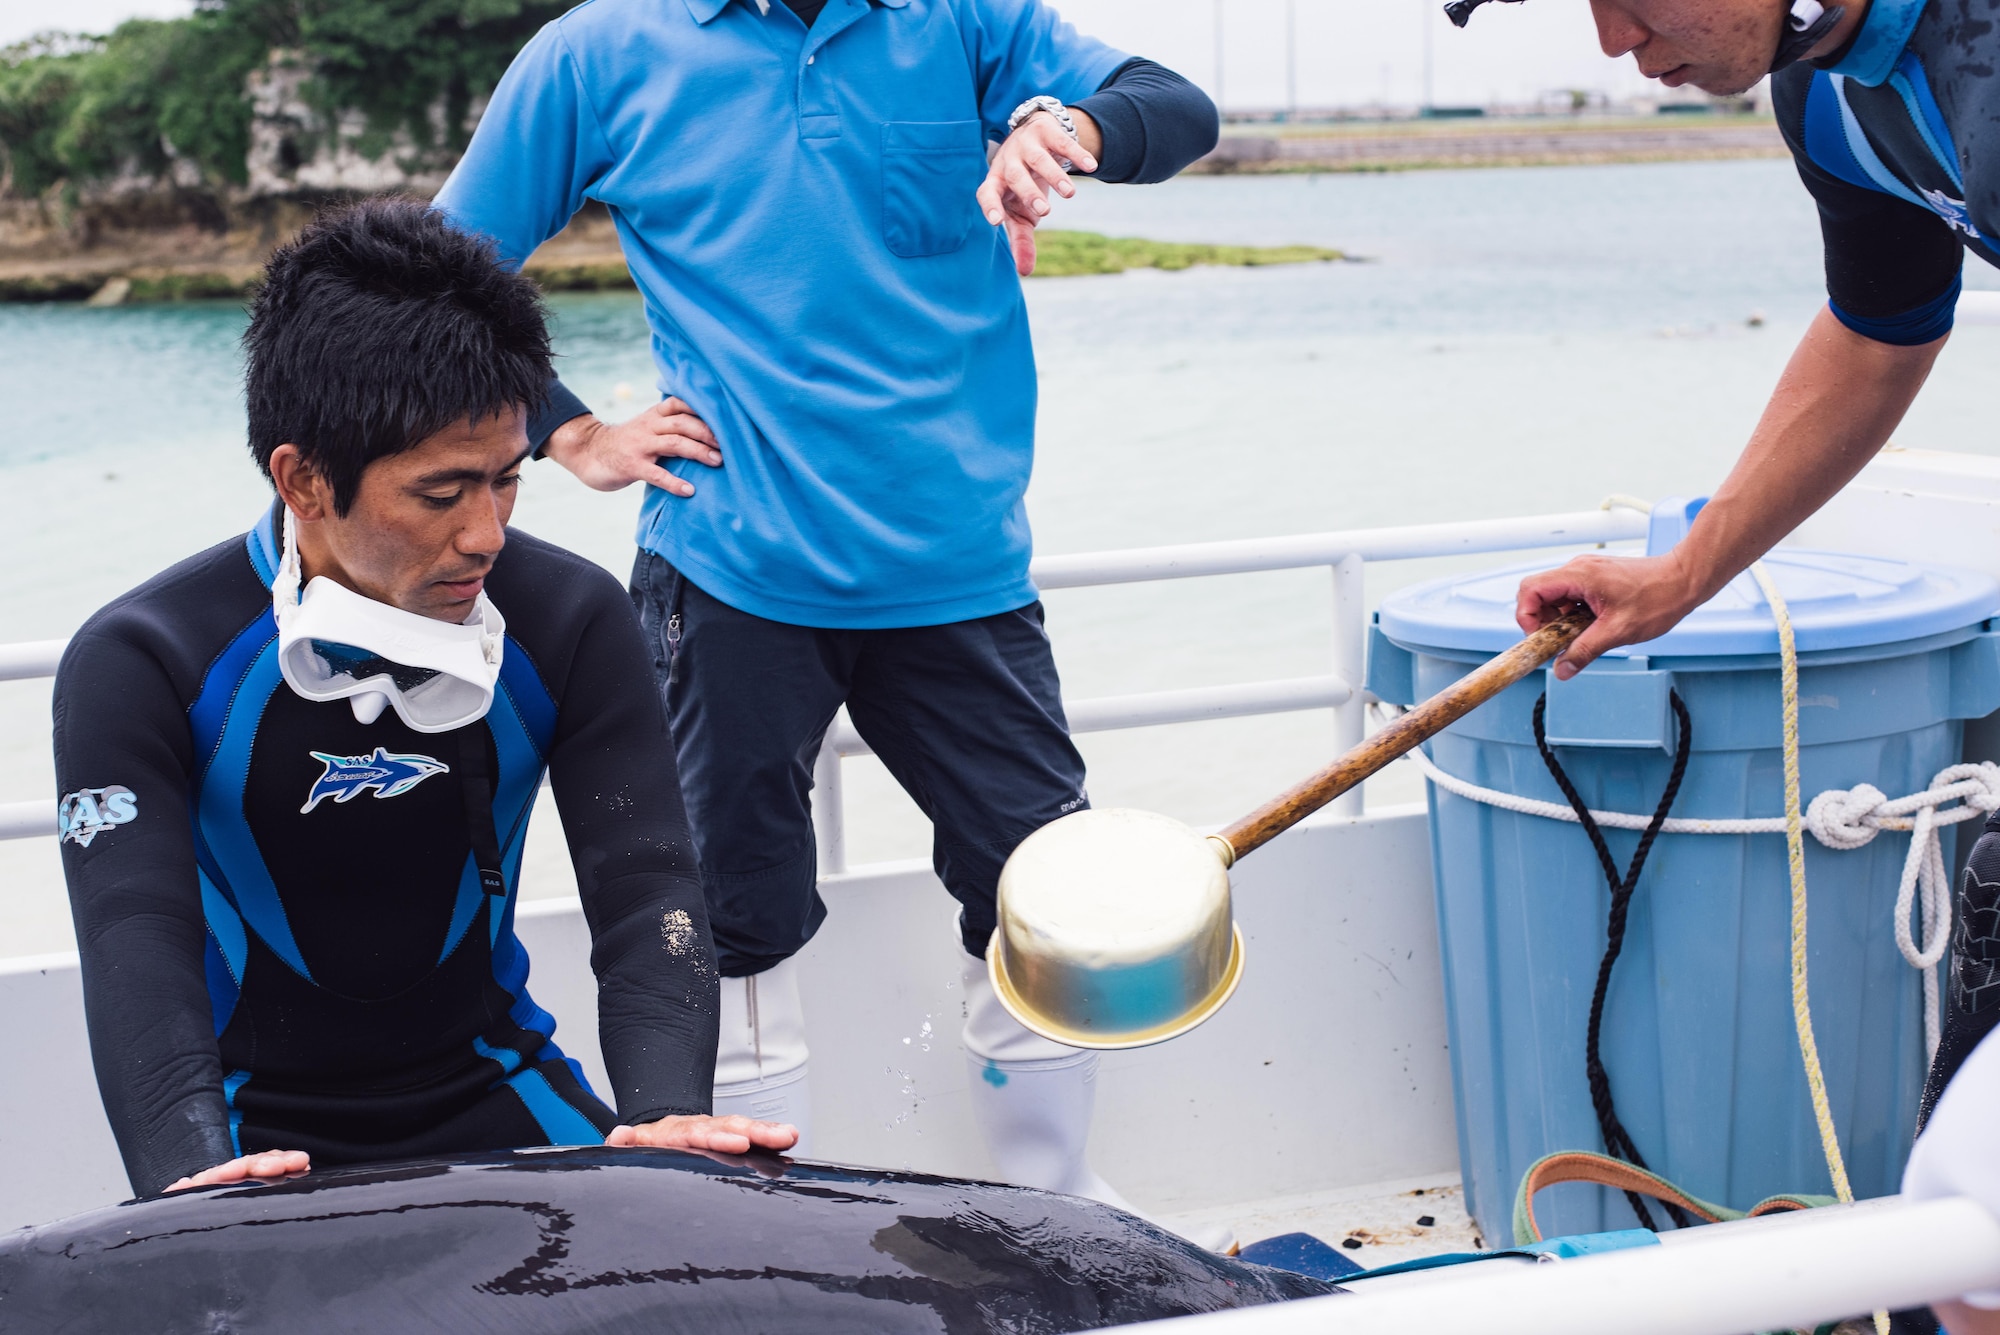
[{"x": 1418, "y": 725}]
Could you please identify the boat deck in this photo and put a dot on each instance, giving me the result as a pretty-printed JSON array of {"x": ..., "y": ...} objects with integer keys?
[{"x": 1377, "y": 1224}]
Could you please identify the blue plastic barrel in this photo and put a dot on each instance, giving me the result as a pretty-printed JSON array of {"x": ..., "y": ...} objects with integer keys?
[{"x": 1698, "y": 1036}]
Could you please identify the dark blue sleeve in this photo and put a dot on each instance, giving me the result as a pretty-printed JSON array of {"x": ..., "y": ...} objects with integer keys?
[
  {"x": 561, "y": 405},
  {"x": 618, "y": 789},
  {"x": 1155, "y": 123},
  {"x": 136, "y": 899}
]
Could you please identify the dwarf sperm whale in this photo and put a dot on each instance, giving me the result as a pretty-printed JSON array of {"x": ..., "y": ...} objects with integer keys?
[{"x": 549, "y": 1242}]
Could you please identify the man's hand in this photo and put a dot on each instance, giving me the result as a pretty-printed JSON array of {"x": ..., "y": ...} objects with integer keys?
[
  {"x": 268, "y": 1166},
  {"x": 730, "y": 1135},
  {"x": 1834, "y": 407},
  {"x": 606, "y": 457},
  {"x": 1634, "y": 600},
  {"x": 1024, "y": 171}
]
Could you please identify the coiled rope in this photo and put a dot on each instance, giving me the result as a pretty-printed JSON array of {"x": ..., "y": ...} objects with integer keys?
[{"x": 1840, "y": 819}]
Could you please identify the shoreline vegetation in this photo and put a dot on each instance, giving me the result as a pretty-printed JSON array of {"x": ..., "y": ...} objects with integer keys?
[
  {"x": 162, "y": 161},
  {"x": 1059, "y": 254},
  {"x": 586, "y": 268}
]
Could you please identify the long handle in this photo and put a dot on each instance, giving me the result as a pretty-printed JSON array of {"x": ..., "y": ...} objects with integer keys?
[{"x": 1419, "y": 725}]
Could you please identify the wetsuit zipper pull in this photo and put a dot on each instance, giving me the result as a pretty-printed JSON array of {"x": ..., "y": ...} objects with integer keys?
[{"x": 673, "y": 648}]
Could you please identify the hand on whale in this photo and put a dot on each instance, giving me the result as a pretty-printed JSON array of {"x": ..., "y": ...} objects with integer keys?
[
  {"x": 606, "y": 1239},
  {"x": 727, "y": 1135},
  {"x": 265, "y": 1166},
  {"x": 730, "y": 1135}
]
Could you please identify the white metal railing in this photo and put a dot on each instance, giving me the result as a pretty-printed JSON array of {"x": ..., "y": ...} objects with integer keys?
[
  {"x": 1787, "y": 1272},
  {"x": 32, "y": 658},
  {"x": 1344, "y": 554},
  {"x": 20, "y": 662},
  {"x": 1977, "y": 307}
]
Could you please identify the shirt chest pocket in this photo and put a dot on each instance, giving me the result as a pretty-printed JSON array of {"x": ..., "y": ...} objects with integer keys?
[{"x": 931, "y": 171}]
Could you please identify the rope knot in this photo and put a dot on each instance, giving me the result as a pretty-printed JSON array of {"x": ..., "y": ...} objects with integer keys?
[
  {"x": 1847, "y": 818},
  {"x": 1987, "y": 776}
]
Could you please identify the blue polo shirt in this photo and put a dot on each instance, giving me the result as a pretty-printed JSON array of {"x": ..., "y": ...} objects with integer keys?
[{"x": 797, "y": 210}]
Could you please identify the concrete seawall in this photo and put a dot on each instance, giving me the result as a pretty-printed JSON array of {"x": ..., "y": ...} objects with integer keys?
[{"x": 1407, "y": 146}]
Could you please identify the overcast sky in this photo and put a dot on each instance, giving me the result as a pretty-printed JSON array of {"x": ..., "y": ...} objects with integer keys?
[{"x": 1349, "y": 52}]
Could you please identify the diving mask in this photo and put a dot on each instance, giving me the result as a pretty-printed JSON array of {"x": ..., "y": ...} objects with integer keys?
[{"x": 335, "y": 644}]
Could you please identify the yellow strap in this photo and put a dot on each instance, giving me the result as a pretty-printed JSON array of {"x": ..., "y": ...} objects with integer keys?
[{"x": 1788, "y": 653}]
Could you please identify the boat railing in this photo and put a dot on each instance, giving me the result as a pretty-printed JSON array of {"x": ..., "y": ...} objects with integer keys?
[
  {"x": 1344, "y": 555},
  {"x": 1782, "y": 1272}
]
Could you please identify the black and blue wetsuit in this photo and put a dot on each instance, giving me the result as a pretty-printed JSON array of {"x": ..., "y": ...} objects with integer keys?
[
  {"x": 1898, "y": 138},
  {"x": 297, "y": 930}
]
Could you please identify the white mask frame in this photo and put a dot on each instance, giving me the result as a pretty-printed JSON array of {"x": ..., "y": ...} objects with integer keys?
[{"x": 336, "y": 644}]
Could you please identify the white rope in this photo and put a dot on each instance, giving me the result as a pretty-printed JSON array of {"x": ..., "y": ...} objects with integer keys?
[{"x": 1841, "y": 819}]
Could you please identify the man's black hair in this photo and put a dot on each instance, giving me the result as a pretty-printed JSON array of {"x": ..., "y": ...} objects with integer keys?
[{"x": 379, "y": 326}]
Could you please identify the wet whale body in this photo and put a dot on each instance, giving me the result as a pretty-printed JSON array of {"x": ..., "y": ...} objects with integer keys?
[{"x": 548, "y": 1242}]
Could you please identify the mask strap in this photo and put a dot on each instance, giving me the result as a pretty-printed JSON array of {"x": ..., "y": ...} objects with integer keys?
[
  {"x": 492, "y": 639},
  {"x": 1805, "y": 28},
  {"x": 285, "y": 586},
  {"x": 1460, "y": 11}
]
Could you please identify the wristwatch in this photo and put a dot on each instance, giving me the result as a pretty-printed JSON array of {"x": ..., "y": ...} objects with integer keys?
[{"x": 1055, "y": 108}]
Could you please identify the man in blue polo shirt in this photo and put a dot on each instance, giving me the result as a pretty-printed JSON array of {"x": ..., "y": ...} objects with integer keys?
[{"x": 828, "y": 261}]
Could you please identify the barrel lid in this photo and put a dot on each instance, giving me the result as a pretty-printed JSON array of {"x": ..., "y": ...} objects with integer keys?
[{"x": 1837, "y": 601}]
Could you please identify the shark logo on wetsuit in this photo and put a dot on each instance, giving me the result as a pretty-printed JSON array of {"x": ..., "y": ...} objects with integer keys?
[{"x": 347, "y": 777}]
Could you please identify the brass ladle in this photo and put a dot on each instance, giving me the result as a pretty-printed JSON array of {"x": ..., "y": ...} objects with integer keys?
[{"x": 1115, "y": 926}]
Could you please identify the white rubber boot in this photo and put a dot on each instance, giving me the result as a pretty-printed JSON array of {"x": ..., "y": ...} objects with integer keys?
[
  {"x": 760, "y": 1059},
  {"x": 1033, "y": 1098}
]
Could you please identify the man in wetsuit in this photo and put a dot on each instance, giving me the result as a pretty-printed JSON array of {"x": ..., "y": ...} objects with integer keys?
[
  {"x": 1888, "y": 107},
  {"x": 828, "y": 261},
  {"x": 294, "y": 906}
]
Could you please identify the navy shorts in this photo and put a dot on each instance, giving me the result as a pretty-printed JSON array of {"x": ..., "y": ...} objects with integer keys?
[{"x": 967, "y": 716}]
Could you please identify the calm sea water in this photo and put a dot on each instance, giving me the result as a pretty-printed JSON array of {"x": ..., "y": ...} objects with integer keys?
[{"x": 1516, "y": 341}]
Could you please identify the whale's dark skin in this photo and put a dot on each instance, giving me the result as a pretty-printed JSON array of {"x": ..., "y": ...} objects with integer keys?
[{"x": 614, "y": 1240}]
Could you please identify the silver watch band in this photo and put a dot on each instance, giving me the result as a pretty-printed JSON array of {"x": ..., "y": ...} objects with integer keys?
[{"x": 1056, "y": 109}]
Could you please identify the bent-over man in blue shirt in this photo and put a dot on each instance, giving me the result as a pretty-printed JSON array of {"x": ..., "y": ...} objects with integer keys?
[{"x": 828, "y": 261}]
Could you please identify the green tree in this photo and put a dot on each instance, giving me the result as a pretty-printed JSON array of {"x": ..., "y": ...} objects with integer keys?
[
  {"x": 400, "y": 61},
  {"x": 37, "y": 92},
  {"x": 84, "y": 109}
]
